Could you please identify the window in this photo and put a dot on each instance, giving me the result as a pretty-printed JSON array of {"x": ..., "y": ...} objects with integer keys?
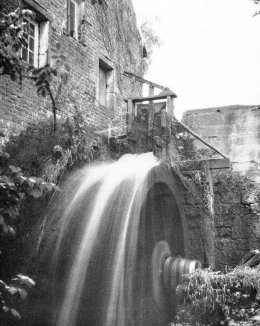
[
  {"x": 30, "y": 52},
  {"x": 35, "y": 53},
  {"x": 75, "y": 14},
  {"x": 105, "y": 85}
]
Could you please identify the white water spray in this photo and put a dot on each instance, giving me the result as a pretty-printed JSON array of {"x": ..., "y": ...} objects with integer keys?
[{"x": 119, "y": 189}]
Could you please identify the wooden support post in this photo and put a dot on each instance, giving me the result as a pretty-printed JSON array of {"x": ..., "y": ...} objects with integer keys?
[
  {"x": 130, "y": 114},
  {"x": 169, "y": 107},
  {"x": 163, "y": 118},
  {"x": 135, "y": 109},
  {"x": 151, "y": 111},
  {"x": 109, "y": 133},
  {"x": 209, "y": 186},
  {"x": 209, "y": 223}
]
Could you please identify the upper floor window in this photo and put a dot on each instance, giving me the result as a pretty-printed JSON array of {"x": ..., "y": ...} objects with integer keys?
[
  {"x": 30, "y": 52},
  {"x": 75, "y": 14},
  {"x": 37, "y": 35},
  {"x": 105, "y": 84},
  {"x": 75, "y": 18}
]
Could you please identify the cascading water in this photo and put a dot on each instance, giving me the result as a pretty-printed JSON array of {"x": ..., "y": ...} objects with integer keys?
[{"x": 103, "y": 234}]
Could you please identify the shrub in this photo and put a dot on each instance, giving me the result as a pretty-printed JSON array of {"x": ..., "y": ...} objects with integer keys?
[{"x": 214, "y": 298}]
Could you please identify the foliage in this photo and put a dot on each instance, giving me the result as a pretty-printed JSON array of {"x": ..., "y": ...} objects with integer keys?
[
  {"x": 257, "y": 2},
  {"x": 11, "y": 295},
  {"x": 186, "y": 146},
  {"x": 14, "y": 188},
  {"x": 48, "y": 155},
  {"x": 150, "y": 39},
  {"x": 13, "y": 36},
  {"x": 214, "y": 298},
  {"x": 44, "y": 76}
]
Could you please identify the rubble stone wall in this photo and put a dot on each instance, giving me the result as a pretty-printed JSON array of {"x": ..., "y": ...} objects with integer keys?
[{"x": 236, "y": 219}]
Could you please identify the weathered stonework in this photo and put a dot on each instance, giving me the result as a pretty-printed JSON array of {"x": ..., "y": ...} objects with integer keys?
[
  {"x": 234, "y": 130},
  {"x": 109, "y": 33},
  {"x": 237, "y": 218}
]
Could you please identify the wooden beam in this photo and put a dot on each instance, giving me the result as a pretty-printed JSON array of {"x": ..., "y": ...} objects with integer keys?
[
  {"x": 152, "y": 98},
  {"x": 142, "y": 80},
  {"x": 213, "y": 163}
]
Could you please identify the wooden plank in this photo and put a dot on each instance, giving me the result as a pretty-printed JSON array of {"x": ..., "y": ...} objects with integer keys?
[
  {"x": 152, "y": 98},
  {"x": 212, "y": 164}
]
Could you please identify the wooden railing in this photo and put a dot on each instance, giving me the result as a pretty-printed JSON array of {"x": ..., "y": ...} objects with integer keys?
[{"x": 166, "y": 95}]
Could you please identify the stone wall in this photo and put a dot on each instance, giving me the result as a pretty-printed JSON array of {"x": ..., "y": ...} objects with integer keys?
[
  {"x": 234, "y": 130},
  {"x": 199, "y": 233},
  {"x": 236, "y": 219},
  {"x": 223, "y": 238},
  {"x": 110, "y": 33}
]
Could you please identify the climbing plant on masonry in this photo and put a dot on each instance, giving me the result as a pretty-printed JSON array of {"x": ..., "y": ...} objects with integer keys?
[{"x": 13, "y": 36}]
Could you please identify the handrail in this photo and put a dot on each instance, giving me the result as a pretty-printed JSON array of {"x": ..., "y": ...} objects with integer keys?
[
  {"x": 199, "y": 138},
  {"x": 142, "y": 80}
]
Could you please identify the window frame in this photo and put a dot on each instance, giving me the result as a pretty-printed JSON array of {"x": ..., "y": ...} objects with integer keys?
[
  {"x": 107, "y": 67},
  {"x": 36, "y": 43},
  {"x": 76, "y": 19},
  {"x": 43, "y": 20}
]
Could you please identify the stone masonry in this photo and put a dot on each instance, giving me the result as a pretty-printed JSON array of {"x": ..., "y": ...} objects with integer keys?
[
  {"x": 108, "y": 32},
  {"x": 234, "y": 130}
]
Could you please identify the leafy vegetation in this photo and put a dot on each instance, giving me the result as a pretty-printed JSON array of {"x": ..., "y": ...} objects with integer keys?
[
  {"x": 11, "y": 295},
  {"x": 215, "y": 298},
  {"x": 48, "y": 155},
  {"x": 16, "y": 187},
  {"x": 150, "y": 40},
  {"x": 13, "y": 36},
  {"x": 257, "y": 2}
]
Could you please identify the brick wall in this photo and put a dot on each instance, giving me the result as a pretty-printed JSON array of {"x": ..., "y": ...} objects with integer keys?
[{"x": 110, "y": 32}]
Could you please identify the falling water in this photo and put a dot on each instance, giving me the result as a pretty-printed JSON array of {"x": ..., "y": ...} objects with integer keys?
[{"x": 95, "y": 254}]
